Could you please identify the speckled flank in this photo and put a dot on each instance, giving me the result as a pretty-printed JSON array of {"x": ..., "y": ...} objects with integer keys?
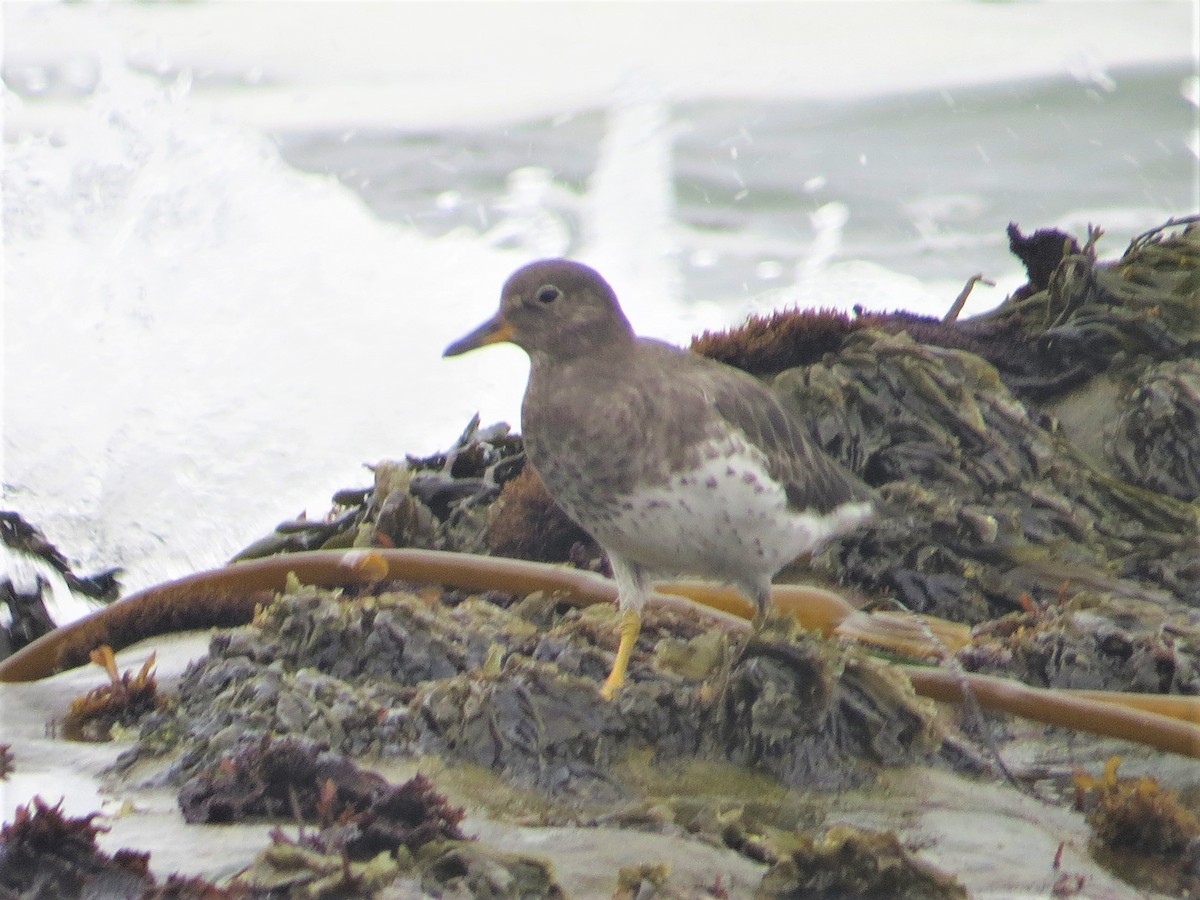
[{"x": 726, "y": 519}]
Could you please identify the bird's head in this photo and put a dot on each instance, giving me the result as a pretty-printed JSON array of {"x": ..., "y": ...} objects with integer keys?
[{"x": 553, "y": 309}]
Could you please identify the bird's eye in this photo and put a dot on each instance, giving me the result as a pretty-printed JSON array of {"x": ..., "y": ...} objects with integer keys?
[{"x": 548, "y": 293}]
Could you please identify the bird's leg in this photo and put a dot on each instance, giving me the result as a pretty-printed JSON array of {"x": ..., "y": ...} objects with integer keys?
[
  {"x": 631, "y": 595},
  {"x": 631, "y": 627}
]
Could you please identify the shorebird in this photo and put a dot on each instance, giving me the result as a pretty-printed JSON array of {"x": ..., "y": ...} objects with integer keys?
[{"x": 674, "y": 463}]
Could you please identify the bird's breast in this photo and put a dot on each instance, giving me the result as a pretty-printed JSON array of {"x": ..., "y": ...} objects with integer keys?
[{"x": 592, "y": 436}]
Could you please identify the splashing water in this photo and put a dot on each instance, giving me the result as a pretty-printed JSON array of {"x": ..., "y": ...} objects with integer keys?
[{"x": 201, "y": 340}]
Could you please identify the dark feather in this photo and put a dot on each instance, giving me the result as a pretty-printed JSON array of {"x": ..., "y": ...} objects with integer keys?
[{"x": 812, "y": 479}]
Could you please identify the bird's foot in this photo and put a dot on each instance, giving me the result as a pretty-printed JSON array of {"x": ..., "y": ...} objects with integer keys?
[{"x": 631, "y": 627}]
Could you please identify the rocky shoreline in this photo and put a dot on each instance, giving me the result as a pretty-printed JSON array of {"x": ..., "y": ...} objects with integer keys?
[{"x": 1041, "y": 465}]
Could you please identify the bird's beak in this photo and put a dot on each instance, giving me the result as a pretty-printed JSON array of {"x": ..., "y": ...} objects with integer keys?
[{"x": 494, "y": 331}]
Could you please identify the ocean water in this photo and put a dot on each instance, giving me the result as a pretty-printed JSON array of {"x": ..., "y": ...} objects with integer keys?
[{"x": 237, "y": 236}]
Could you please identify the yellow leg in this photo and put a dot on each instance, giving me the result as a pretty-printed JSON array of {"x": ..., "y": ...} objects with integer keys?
[{"x": 631, "y": 627}]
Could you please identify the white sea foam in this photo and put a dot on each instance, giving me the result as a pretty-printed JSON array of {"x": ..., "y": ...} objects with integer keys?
[{"x": 201, "y": 340}]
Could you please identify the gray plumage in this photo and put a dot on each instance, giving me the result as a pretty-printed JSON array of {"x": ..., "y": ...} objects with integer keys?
[{"x": 674, "y": 463}]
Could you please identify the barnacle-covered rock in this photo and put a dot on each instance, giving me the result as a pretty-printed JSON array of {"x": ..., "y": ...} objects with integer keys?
[{"x": 480, "y": 684}]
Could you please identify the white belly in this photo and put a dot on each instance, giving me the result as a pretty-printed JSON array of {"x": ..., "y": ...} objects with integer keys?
[{"x": 726, "y": 519}]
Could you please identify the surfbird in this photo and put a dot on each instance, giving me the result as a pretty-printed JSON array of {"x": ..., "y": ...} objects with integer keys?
[{"x": 674, "y": 463}]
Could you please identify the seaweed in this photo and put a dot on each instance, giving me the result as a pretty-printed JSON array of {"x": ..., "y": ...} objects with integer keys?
[
  {"x": 437, "y": 502},
  {"x": 985, "y": 500},
  {"x": 359, "y": 812},
  {"x": 1136, "y": 814},
  {"x": 981, "y": 434},
  {"x": 28, "y": 617},
  {"x": 180, "y": 887},
  {"x": 767, "y": 345},
  {"x": 1153, "y": 442},
  {"x": 472, "y": 870},
  {"x": 289, "y": 868},
  {"x": 44, "y": 854},
  {"x": 1041, "y": 253},
  {"x": 1058, "y": 646},
  {"x": 368, "y": 832},
  {"x": 1141, "y": 831},
  {"x": 121, "y": 702},
  {"x": 21, "y": 535},
  {"x": 852, "y": 862}
]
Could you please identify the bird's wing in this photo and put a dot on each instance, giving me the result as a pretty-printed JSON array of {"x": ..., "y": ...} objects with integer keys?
[{"x": 812, "y": 478}]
